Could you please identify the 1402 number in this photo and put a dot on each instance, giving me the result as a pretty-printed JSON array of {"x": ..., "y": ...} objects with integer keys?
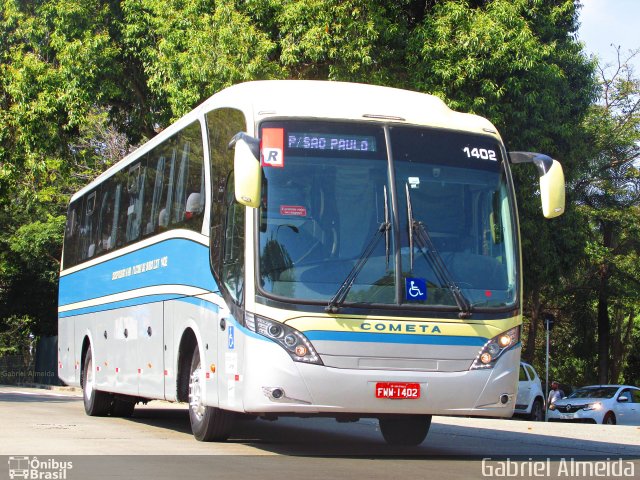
[{"x": 481, "y": 153}]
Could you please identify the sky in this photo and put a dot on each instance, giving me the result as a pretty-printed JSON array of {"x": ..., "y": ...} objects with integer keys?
[{"x": 606, "y": 22}]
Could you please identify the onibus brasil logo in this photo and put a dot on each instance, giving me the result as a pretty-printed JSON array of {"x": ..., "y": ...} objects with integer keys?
[{"x": 33, "y": 468}]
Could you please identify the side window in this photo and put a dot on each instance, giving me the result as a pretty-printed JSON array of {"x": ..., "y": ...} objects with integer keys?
[
  {"x": 222, "y": 125},
  {"x": 233, "y": 255},
  {"x": 71, "y": 232},
  {"x": 108, "y": 216},
  {"x": 154, "y": 184},
  {"x": 163, "y": 189},
  {"x": 188, "y": 201},
  {"x": 629, "y": 394},
  {"x": 170, "y": 152},
  {"x": 174, "y": 183},
  {"x": 135, "y": 195},
  {"x": 523, "y": 375},
  {"x": 119, "y": 236},
  {"x": 531, "y": 372},
  {"x": 88, "y": 227}
]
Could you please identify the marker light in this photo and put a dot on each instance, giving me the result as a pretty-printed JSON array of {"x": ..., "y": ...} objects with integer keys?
[
  {"x": 495, "y": 347},
  {"x": 294, "y": 342}
]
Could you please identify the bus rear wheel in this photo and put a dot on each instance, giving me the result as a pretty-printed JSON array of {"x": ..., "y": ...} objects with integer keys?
[
  {"x": 96, "y": 403},
  {"x": 122, "y": 407},
  {"x": 405, "y": 430},
  {"x": 208, "y": 424}
]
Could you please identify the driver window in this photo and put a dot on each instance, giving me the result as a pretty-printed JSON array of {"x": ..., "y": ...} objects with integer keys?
[{"x": 233, "y": 255}]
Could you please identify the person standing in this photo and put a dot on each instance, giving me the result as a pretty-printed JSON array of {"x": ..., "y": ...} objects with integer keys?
[{"x": 554, "y": 394}]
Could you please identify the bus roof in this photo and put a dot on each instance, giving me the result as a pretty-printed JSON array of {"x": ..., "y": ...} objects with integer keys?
[
  {"x": 342, "y": 100},
  {"x": 264, "y": 99}
]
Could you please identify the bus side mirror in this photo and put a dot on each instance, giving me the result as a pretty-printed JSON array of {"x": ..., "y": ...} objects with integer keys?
[
  {"x": 247, "y": 172},
  {"x": 551, "y": 181}
]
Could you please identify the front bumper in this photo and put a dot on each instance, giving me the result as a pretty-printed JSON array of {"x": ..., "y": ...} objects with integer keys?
[
  {"x": 581, "y": 416},
  {"x": 315, "y": 389}
]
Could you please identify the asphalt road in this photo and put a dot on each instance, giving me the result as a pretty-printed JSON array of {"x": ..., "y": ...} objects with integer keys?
[{"x": 156, "y": 443}]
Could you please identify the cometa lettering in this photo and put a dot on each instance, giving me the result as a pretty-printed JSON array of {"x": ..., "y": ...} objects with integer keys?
[{"x": 400, "y": 328}]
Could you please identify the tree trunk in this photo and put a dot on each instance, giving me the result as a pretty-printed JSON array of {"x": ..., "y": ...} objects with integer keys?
[
  {"x": 603, "y": 334},
  {"x": 616, "y": 347},
  {"x": 604, "y": 323}
]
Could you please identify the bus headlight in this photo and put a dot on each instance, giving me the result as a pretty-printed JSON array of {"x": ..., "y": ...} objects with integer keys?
[
  {"x": 495, "y": 347},
  {"x": 293, "y": 341}
]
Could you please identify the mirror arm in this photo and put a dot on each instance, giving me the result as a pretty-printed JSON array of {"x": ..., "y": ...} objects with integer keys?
[
  {"x": 253, "y": 143},
  {"x": 542, "y": 162}
]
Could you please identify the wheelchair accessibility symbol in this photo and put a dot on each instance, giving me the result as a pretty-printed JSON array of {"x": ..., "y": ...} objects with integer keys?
[
  {"x": 231, "y": 338},
  {"x": 415, "y": 289}
]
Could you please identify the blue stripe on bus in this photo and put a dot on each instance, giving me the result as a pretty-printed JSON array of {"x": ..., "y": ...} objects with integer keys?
[
  {"x": 121, "y": 304},
  {"x": 395, "y": 338},
  {"x": 174, "y": 261},
  {"x": 133, "y": 302}
]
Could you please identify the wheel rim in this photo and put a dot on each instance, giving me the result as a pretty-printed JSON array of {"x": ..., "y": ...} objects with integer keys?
[
  {"x": 195, "y": 393},
  {"x": 608, "y": 420},
  {"x": 89, "y": 380}
]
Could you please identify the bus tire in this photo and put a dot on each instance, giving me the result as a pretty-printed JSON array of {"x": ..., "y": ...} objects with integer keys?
[
  {"x": 405, "y": 430},
  {"x": 122, "y": 408},
  {"x": 208, "y": 424},
  {"x": 96, "y": 403}
]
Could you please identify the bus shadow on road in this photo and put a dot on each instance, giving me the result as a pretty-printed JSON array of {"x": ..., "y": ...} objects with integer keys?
[{"x": 328, "y": 438}]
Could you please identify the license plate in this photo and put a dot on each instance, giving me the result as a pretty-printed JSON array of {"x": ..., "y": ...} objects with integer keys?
[{"x": 410, "y": 391}]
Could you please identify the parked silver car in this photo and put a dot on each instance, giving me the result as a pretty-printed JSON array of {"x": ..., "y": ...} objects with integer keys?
[
  {"x": 530, "y": 399},
  {"x": 609, "y": 404}
]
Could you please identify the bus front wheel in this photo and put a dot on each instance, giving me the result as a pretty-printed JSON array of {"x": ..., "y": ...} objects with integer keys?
[
  {"x": 96, "y": 403},
  {"x": 405, "y": 430},
  {"x": 208, "y": 424}
]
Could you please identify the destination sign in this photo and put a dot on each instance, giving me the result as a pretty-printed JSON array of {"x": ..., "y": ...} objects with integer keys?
[{"x": 329, "y": 141}]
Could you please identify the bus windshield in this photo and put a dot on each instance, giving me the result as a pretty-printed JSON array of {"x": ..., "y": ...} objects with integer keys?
[{"x": 392, "y": 215}]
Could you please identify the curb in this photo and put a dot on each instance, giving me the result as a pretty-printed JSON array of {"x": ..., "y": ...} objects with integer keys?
[{"x": 55, "y": 388}]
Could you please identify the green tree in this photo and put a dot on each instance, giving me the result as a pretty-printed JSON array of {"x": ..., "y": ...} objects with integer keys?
[{"x": 609, "y": 199}]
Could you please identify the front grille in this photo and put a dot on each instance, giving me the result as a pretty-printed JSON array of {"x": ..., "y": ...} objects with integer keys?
[{"x": 569, "y": 408}]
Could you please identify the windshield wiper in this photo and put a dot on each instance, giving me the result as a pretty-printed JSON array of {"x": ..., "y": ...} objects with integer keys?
[
  {"x": 433, "y": 257},
  {"x": 387, "y": 231},
  {"x": 384, "y": 228}
]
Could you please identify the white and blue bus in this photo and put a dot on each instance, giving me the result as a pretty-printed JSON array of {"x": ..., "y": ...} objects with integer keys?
[{"x": 300, "y": 248}]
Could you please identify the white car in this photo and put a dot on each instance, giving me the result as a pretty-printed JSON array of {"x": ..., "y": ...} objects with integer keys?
[
  {"x": 609, "y": 404},
  {"x": 530, "y": 399}
]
